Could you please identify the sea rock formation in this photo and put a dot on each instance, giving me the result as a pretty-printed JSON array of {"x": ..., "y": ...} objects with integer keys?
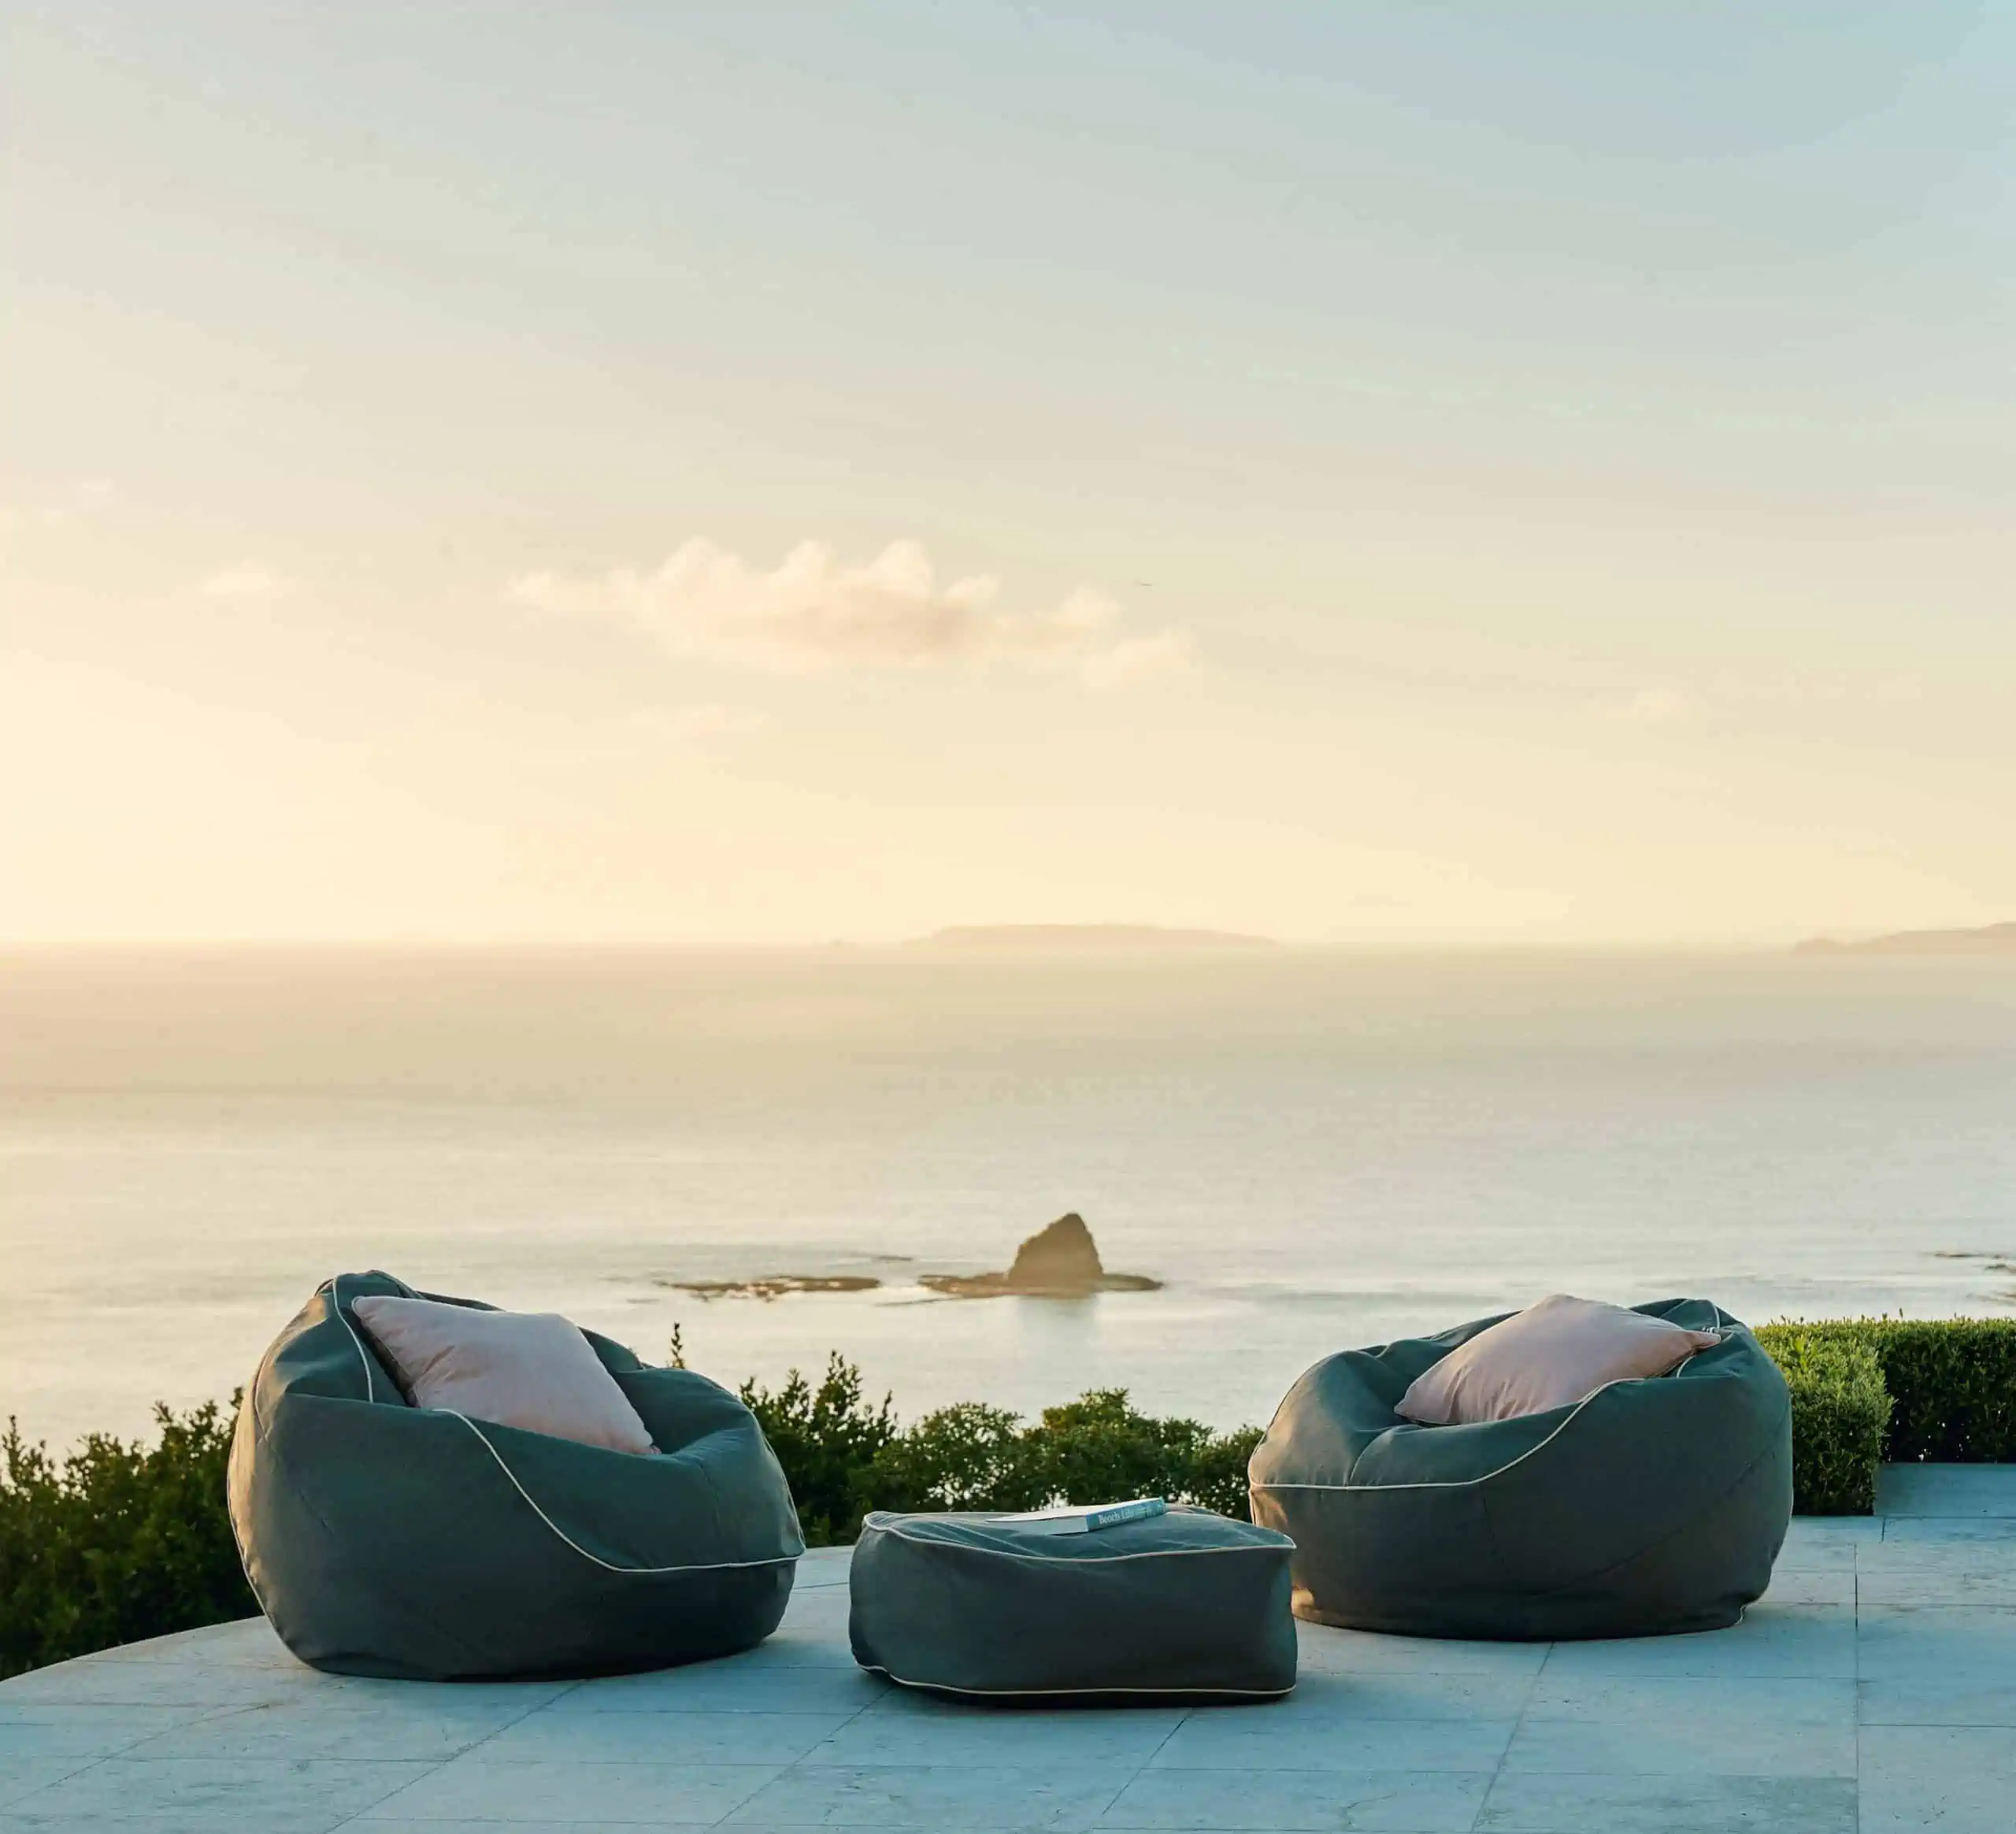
[{"x": 1061, "y": 1261}]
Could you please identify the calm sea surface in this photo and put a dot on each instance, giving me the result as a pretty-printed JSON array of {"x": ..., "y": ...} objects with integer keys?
[{"x": 1312, "y": 1150}]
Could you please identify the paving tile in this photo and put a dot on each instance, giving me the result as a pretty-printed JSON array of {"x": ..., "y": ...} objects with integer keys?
[
  {"x": 90, "y": 1682},
  {"x": 1324, "y": 1651},
  {"x": 787, "y": 1649},
  {"x": 243, "y": 1640},
  {"x": 1948, "y": 1529},
  {"x": 1823, "y": 1543},
  {"x": 1812, "y": 1585},
  {"x": 360, "y": 1690},
  {"x": 823, "y": 1604},
  {"x": 1960, "y": 1780},
  {"x": 1816, "y": 1641},
  {"x": 153, "y": 1821},
  {"x": 662, "y": 1738},
  {"x": 1380, "y": 1693},
  {"x": 967, "y": 1796},
  {"x": 731, "y": 1686},
  {"x": 1812, "y": 1531},
  {"x": 429, "y": 1728},
  {"x": 60, "y": 1729},
  {"x": 472, "y": 1788},
  {"x": 217, "y": 1793},
  {"x": 1529, "y": 1800},
  {"x": 1799, "y": 1699},
  {"x": 1696, "y": 1745},
  {"x": 1946, "y": 1489},
  {"x": 22, "y": 1774},
  {"x": 1936, "y": 1643},
  {"x": 822, "y": 1567},
  {"x": 1688, "y": 1726},
  {"x": 1986, "y": 1700},
  {"x": 391, "y": 1825},
  {"x": 907, "y": 1727},
  {"x": 1946, "y": 1583},
  {"x": 1284, "y": 1801},
  {"x": 1268, "y": 1740}
]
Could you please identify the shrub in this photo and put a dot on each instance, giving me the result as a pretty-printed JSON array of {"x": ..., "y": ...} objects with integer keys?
[
  {"x": 966, "y": 1456},
  {"x": 828, "y": 1439},
  {"x": 844, "y": 1457},
  {"x": 1841, "y": 1411},
  {"x": 1954, "y": 1382},
  {"x": 117, "y": 1542},
  {"x": 1098, "y": 1447}
]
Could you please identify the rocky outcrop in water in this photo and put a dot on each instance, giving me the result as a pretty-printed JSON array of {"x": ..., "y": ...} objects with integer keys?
[{"x": 1060, "y": 1261}]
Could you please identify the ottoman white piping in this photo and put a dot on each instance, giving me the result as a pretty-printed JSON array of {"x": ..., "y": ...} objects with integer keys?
[
  {"x": 1096, "y": 1560},
  {"x": 1070, "y": 1693}
]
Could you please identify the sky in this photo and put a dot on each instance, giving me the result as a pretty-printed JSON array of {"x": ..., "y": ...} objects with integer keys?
[{"x": 1361, "y": 473}]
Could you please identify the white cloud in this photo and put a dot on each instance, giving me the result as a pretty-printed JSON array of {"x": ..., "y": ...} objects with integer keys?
[
  {"x": 244, "y": 584},
  {"x": 816, "y": 612}
]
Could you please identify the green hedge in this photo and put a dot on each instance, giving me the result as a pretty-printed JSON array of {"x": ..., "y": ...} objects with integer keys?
[
  {"x": 845, "y": 1456},
  {"x": 1955, "y": 1383},
  {"x": 117, "y": 1541},
  {"x": 1866, "y": 1391},
  {"x": 1841, "y": 1412}
]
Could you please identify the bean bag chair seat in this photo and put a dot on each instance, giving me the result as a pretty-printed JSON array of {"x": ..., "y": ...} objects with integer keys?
[
  {"x": 1187, "y": 1604},
  {"x": 1646, "y": 1507},
  {"x": 383, "y": 1539}
]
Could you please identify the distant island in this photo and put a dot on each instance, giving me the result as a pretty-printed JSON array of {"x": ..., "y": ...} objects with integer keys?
[
  {"x": 1082, "y": 938},
  {"x": 1990, "y": 940},
  {"x": 1060, "y": 1260}
]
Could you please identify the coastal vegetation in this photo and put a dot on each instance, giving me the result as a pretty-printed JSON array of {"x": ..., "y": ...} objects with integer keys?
[
  {"x": 845, "y": 1455},
  {"x": 1907, "y": 1391},
  {"x": 119, "y": 1539}
]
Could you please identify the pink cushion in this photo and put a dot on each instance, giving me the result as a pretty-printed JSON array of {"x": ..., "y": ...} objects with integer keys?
[
  {"x": 1552, "y": 1355},
  {"x": 529, "y": 1369}
]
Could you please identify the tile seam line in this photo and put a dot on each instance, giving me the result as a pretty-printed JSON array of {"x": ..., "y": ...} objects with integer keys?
[
  {"x": 1142, "y": 1769},
  {"x": 722, "y": 1819},
  {"x": 442, "y": 1763},
  {"x": 13, "y": 1809},
  {"x": 1519, "y": 1726},
  {"x": 1855, "y": 1573}
]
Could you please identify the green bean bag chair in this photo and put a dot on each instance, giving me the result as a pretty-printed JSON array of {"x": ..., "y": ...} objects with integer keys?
[
  {"x": 1648, "y": 1507},
  {"x": 1185, "y": 1605},
  {"x": 382, "y": 1538}
]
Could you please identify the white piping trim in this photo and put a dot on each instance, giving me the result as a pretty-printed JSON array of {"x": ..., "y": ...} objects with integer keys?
[
  {"x": 1510, "y": 1464},
  {"x": 335, "y": 1301},
  {"x": 704, "y": 1566},
  {"x": 363, "y": 1356},
  {"x": 1096, "y": 1560},
  {"x": 1076, "y": 1693}
]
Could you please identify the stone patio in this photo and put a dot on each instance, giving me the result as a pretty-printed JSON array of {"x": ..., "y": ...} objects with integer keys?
[{"x": 1873, "y": 1690}]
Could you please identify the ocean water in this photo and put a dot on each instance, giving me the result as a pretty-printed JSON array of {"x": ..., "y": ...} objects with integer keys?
[{"x": 1311, "y": 1150}]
